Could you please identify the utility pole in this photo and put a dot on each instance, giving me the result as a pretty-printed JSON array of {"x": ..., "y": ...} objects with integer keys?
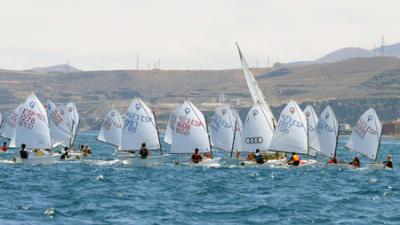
[{"x": 382, "y": 45}]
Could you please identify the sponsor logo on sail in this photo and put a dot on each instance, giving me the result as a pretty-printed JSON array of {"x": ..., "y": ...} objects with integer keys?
[{"x": 254, "y": 140}]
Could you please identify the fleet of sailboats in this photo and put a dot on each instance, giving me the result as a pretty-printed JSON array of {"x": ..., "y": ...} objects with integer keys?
[{"x": 296, "y": 131}]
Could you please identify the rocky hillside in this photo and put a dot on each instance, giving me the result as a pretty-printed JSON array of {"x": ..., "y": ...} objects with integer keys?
[{"x": 351, "y": 86}]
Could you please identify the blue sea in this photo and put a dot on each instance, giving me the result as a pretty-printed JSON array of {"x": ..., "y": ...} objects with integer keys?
[{"x": 104, "y": 190}]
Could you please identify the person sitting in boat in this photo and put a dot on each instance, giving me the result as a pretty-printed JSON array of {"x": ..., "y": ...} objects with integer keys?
[
  {"x": 38, "y": 152},
  {"x": 86, "y": 150},
  {"x": 65, "y": 154},
  {"x": 388, "y": 163},
  {"x": 332, "y": 160},
  {"x": 4, "y": 148},
  {"x": 196, "y": 157},
  {"x": 238, "y": 154},
  {"x": 144, "y": 152},
  {"x": 355, "y": 163},
  {"x": 259, "y": 157},
  {"x": 23, "y": 153},
  {"x": 208, "y": 155},
  {"x": 251, "y": 157},
  {"x": 294, "y": 159}
]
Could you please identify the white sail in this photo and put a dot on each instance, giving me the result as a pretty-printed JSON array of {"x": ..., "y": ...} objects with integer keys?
[
  {"x": 32, "y": 125},
  {"x": 111, "y": 129},
  {"x": 1, "y": 120},
  {"x": 328, "y": 131},
  {"x": 255, "y": 90},
  {"x": 257, "y": 134},
  {"x": 291, "y": 132},
  {"x": 170, "y": 126},
  {"x": 8, "y": 128},
  {"x": 73, "y": 115},
  {"x": 238, "y": 145},
  {"x": 58, "y": 123},
  {"x": 366, "y": 135},
  {"x": 188, "y": 130},
  {"x": 312, "y": 122},
  {"x": 139, "y": 127},
  {"x": 225, "y": 129}
]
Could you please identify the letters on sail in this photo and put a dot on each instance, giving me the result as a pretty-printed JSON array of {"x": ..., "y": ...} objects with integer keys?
[
  {"x": 366, "y": 135},
  {"x": 32, "y": 125},
  {"x": 312, "y": 122},
  {"x": 328, "y": 131},
  {"x": 188, "y": 129},
  {"x": 139, "y": 127},
  {"x": 59, "y": 124},
  {"x": 111, "y": 128},
  {"x": 225, "y": 129},
  {"x": 290, "y": 134}
]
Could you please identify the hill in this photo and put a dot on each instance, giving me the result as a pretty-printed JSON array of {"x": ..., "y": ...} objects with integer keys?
[{"x": 351, "y": 86}]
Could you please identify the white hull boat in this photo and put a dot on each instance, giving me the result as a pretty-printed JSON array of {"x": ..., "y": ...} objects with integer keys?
[{"x": 42, "y": 160}]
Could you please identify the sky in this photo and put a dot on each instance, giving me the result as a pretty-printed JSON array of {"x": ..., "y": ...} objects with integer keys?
[{"x": 186, "y": 34}]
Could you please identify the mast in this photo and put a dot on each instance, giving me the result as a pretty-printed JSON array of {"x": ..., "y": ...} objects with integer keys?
[
  {"x": 158, "y": 133},
  {"x": 209, "y": 138},
  {"x": 234, "y": 138}
]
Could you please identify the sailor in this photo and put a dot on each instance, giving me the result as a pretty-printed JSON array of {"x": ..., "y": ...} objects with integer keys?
[
  {"x": 208, "y": 155},
  {"x": 23, "y": 153},
  {"x": 196, "y": 157},
  {"x": 4, "y": 148},
  {"x": 86, "y": 150},
  {"x": 251, "y": 156},
  {"x": 143, "y": 152},
  {"x": 388, "y": 163},
  {"x": 332, "y": 160},
  {"x": 38, "y": 152},
  {"x": 355, "y": 163},
  {"x": 238, "y": 154},
  {"x": 65, "y": 154},
  {"x": 294, "y": 159},
  {"x": 259, "y": 157}
]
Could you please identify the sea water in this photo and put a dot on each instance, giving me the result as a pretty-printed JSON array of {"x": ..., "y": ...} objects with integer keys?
[{"x": 106, "y": 190}]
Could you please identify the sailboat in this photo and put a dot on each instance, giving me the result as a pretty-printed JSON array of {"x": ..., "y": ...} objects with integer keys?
[
  {"x": 111, "y": 129},
  {"x": 187, "y": 130},
  {"x": 312, "y": 122},
  {"x": 73, "y": 117},
  {"x": 327, "y": 132},
  {"x": 366, "y": 135},
  {"x": 291, "y": 133},
  {"x": 140, "y": 126},
  {"x": 226, "y": 129},
  {"x": 11, "y": 122},
  {"x": 32, "y": 129},
  {"x": 58, "y": 123}
]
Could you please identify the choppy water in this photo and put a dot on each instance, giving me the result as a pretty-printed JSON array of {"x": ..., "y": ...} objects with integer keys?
[{"x": 106, "y": 191}]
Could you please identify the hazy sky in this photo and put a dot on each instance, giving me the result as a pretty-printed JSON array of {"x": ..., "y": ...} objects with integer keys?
[{"x": 106, "y": 34}]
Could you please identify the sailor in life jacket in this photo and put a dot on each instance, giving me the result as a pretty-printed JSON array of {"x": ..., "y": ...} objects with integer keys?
[
  {"x": 196, "y": 157},
  {"x": 259, "y": 157},
  {"x": 294, "y": 159}
]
